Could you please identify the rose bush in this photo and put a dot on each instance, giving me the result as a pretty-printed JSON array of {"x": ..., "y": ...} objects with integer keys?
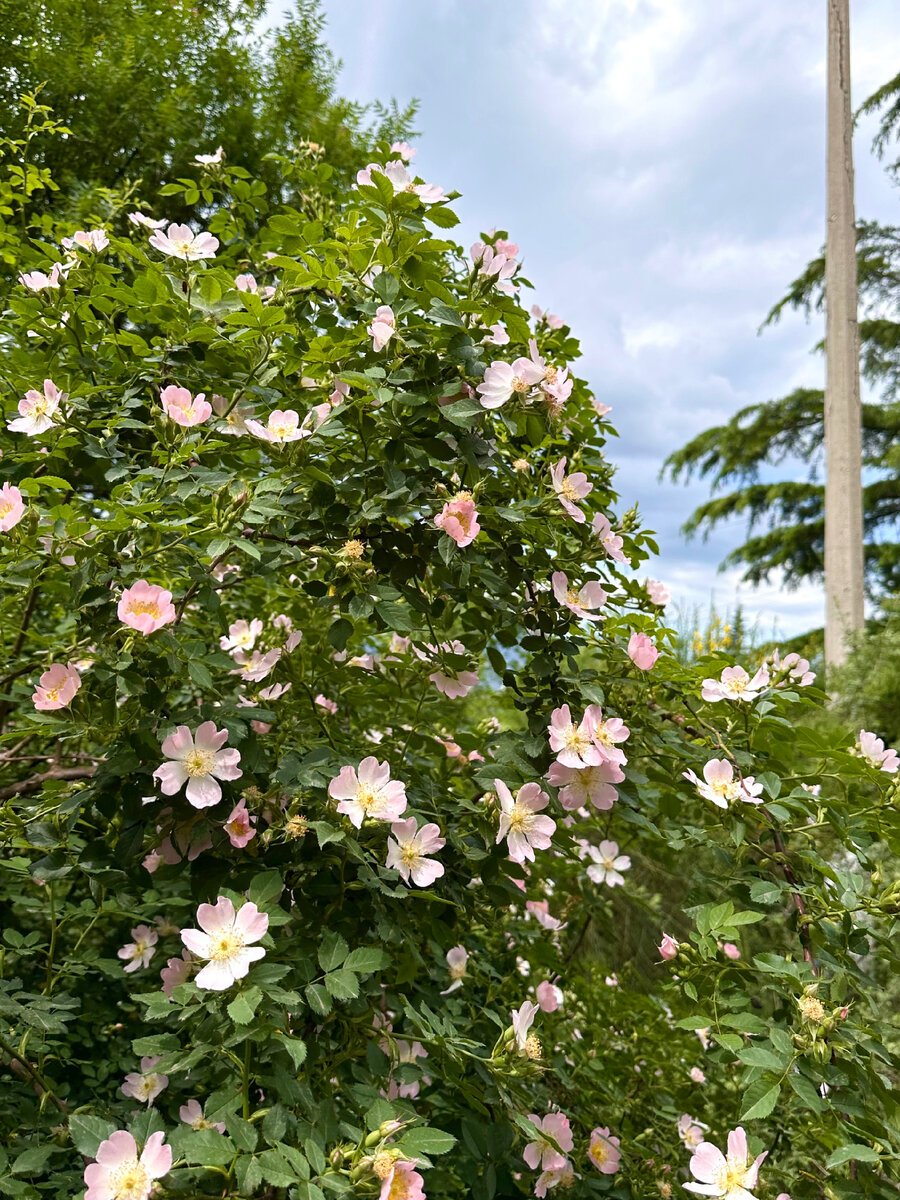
[{"x": 362, "y": 835}]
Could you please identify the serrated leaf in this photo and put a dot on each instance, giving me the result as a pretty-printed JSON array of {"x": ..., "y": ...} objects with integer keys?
[
  {"x": 855, "y": 1152},
  {"x": 763, "y": 1106},
  {"x": 88, "y": 1131},
  {"x": 366, "y": 959},
  {"x": 342, "y": 984},
  {"x": 244, "y": 1134},
  {"x": 427, "y": 1141},
  {"x": 240, "y": 1011},
  {"x": 332, "y": 951},
  {"x": 295, "y": 1047},
  {"x": 318, "y": 999}
]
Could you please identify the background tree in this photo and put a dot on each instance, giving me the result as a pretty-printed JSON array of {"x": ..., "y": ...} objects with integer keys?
[
  {"x": 786, "y": 517},
  {"x": 143, "y": 86}
]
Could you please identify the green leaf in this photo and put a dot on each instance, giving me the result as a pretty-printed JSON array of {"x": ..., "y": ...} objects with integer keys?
[
  {"x": 244, "y": 1134},
  {"x": 342, "y": 984},
  {"x": 266, "y": 886},
  {"x": 427, "y": 1141},
  {"x": 240, "y": 1011},
  {"x": 207, "y": 1146},
  {"x": 445, "y": 315},
  {"x": 760, "y": 1056},
  {"x": 295, "y": 1047},
  {"x": 316, "y": 1155},
  {"x": 332, "y": 951},
  {"x": 200, "y": 674},
  {"x": 762, "y": 1106},
  {"x": 318, "y": 999},
  {"x": 855, "y": 1152},
  {"x": 33, "y": 1160},
  {"x": 248, "y": 1174},
  {"x": 366, "y": 959},
  {"x": 440, "y": 215},
  {"x": 276, "y": 1169},
  {"x": 87, "y": 1132},
  {"x": 807, "y": 1093}
]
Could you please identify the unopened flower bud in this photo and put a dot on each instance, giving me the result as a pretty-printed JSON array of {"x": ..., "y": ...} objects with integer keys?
[{"x": 668, "y": 948}]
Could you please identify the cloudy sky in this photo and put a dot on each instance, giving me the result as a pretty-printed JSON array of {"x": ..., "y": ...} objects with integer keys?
[{"x": 661, "y": 165}]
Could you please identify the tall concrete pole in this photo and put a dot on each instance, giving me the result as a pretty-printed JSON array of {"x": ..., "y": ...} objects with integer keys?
[{"x": 843, "y": 449}]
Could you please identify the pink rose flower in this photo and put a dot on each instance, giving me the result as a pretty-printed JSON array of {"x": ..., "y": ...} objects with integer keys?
[
  {"x": 118, "y": 1172},
  {"x": 239, "y": 825},
  {"x": 549, "y": 996},
  {"x": 540, "y": 910},
  {"x": 570, "y": 488},
  {"x": 330, "y": 706},
  {"x": 730, "y": 950},
  {"x": 192, "y": 1114},
  {"x": 199, "y": 762},
  {"x": 541, "y": 1154},
  {"x": 735, "y": 684},
  {"x": 139, "y": 218},
  {"x": 733, "y": 1177},
  {"x": 56, "y": 687},
  {"x": 520, "y": 823},
  {"x": 407, "y": 849},
  {"x": 608, "y": 864},
  {"x": 12, "y": 507},
  {"x": 403, "y": 1182},
  {"x": 176, "y": 971},
  {"x": 604, "y": 1151},
  {"x": 146, "y": 607},
  {"x": 642, "y": 652},
  {"x": 146, "y": 1085},
  {"x": 457, "y": 962},
  {"x": 183, "y": 408},
  {"x": 255, "y": 666},
  {"x": 658, "y": 592},
  {"x": 611, "y": 542},
  {"x": 37, "y": 281},
  {"x": 38, "y": 410},
  {"x": 690, "y": 1131},
  {"x": 459, "y": 519},
  {"x": 281, "y": 427},
  {"x": 225, "y": 940},
  {"x": 94, "y": 240},
  {"x": 137, "y": 953},
  {"x": 370, "y": 793},
  {"x": 179, "y": 241},
  {"x": 522, "y": 1020},
  {"x": 871, "y": 748},
  {"x": 581, "y": 603},
  {"x": 582, "y": 785},
  {"x": 242, "y": 635},
  {"x": 502, "y": 381},
  {"x": 383, "y": 327},
  {"x": 453, "y": 684},
  {"x": 721, "y": 787}
]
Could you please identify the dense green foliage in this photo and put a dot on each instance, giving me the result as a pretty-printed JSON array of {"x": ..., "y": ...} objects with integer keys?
[{"x": 314, "y": 1061}]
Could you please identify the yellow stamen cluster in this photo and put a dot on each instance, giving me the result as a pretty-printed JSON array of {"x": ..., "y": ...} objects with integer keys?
[
  {"x": 129, "y": 1182},
  {"x": 353, "y": 549},
  {"x": 812, "y": 1009},
  {"x": 383, "y": 1164},
  {"x": 199, "y": 763},
  {"x": 296, "y": 827},
  {"x": 533, "y": 1048}
]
